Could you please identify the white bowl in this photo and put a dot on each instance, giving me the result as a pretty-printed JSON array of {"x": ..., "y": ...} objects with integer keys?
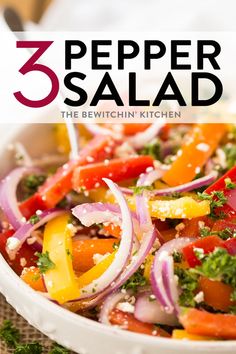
[{"x": 80, "y": 334}]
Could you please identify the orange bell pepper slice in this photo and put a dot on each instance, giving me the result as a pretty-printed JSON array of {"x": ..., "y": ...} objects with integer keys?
[{"x": 201, "y": 142}]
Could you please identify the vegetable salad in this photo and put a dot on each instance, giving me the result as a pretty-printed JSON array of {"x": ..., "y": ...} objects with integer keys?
[{"x": 137, "y": 229}]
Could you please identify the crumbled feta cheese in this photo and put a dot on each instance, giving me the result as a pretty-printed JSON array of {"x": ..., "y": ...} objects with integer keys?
[
  {"x": 126, "y": 307},
  {"x": 12, "y": 243},
  {"x": 97, "y": 257},
  {"x": 203, "y": 147},
  {"x": 199, "y": 297}
]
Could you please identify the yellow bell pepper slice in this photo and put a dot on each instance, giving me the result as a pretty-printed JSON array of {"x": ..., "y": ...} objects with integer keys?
[
  {"x": 147, "y": 267},
  {"x": 60, "y": 281},
  {"x": 96, "y": 271},
  {"x": 181, "y": 208},
  {"x": 186, "y": 207},
  {"x": 182, "y": 334}
]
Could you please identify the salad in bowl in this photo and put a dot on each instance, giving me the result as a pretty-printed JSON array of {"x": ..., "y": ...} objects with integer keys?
[{"x": 136, "y": 229}]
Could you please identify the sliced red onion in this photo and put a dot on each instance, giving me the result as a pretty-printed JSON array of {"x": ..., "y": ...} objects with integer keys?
[
  {"x": 109, "y": 304},
  {"x": 170, "y": 282},
  {"x": 148, "y": 178},
  {"x": 8, "y": 200},
  {"x": 149, "y": 310},
  {"x": 15, "y": 242},
  {"x": 197, "y": 183},
  {"x": 73, "y": 135},
  {"x": 141, "y": 139},
  {"x": 150, "y": 234},
  {"x": 100, "y": 213},
  {"x": 187, "y": 187},
  {"x": 96, "y": 129},
  {"x": 97, "y": 213},
  {"x": 123, "y": 254},
  {"x": 157, "y": 282}
]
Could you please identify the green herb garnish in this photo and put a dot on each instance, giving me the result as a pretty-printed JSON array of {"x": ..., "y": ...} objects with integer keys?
[
  {"x": 34, "y": 219},
  {"x": 229, "y": 184},
  {"x": 217, "y": 199},
  {"x": 44, "y": 262},
  {"x": 188, "y": 283},
  {"x": 9, "y": 334},
  {"x": 135, "y": 281},
  {"x": 218, "y": 265},
  {"x": 177, "y": 257},
  {"x": 29, "y": 348},
  {"x": 58, "y": 349},
  {"x": 140, "y": 189},
  {"x": 153, "y": 149}
]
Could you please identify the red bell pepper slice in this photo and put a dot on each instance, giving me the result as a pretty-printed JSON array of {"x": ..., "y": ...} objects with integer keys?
[
  {"x": 91, "y": 176},
  {"x": 208, "y": 244},
  {"x": 230, "y": 246},
  {"x": 229, "y": 207},
  {"x": 57, "y": 186},
  {"x": 25, "y": 257}
]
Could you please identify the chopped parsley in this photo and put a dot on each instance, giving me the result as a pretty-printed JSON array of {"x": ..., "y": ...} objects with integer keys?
[
  {"x": 34, "y": 219},
  {"x": 44, "y": 262},
  {"x": 31, "y": 183},
  {"x": 229, "y": 184},
  {"x": 58, "y": 349},
  {"x": 135, "y": 281},
  {"x": 116, "y": 245},
  {"x": 140, "y": 189},
  {"x": 217, "y": 199},
  {"x": 218, "y": 265},
  {"x": 153, "y": 149},
  {"x": 9, "y": 334},
  {"x": 230, "y": 155},
  {"x": 224, "y": 234},
  {"x": 188, "y": 283},
  {"x": 29, "y": 348},
  {"x": 177, "y": 257}
]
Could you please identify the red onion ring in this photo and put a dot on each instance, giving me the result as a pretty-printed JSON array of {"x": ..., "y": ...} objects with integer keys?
[
  {"x": 8, "y": 200},
  {"x": 100, "y": 213},
  {"x": 187, "y": 187},
  {"x": 157, "y": 281},
  {"x": 21, "y": 235},
  {"x": 150, "y": 311},
  {"x": 109, "y": 304},
  {"x": 170, "y": 283},
  {"x": 95, "y": 129},
  {"x": 141, "y": 139},
  {"x": 122, "y": 256}
]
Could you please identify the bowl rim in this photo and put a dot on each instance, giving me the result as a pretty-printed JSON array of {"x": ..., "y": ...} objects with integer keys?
[
  {"x": 31, "y": 295},
  {"x": 7, "y": 275}
]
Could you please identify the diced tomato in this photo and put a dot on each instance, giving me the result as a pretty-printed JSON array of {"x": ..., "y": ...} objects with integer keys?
[
  {"x": 91, "y": 176},
  {"x": 208, "y": 244},
  {"x": 25, "y": 257},
  {"x": 130, "y": 323},
  {"x": 84, "y": 250},
  {"x": 209, "y": 324},
  {"x": 216, "y": 293},
  {"x": 58, "y": 185}
]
